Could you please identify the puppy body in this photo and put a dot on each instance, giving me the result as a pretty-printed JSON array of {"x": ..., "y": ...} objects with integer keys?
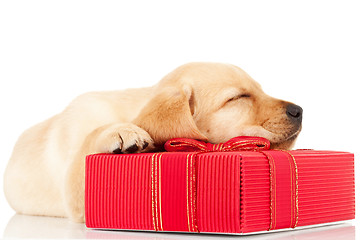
[
  {"x": 207, "y": 101},
  {"x": 36, "y": 174}
]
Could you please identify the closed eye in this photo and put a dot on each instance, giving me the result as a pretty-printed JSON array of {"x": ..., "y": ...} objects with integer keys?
[{"x": 246, "y": 95}]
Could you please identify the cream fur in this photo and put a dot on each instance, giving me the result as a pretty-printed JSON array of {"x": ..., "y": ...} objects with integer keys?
[{"x": 45, "y": 175}]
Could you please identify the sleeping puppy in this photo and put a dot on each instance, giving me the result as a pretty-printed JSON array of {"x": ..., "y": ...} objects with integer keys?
[{"x": 206, "y": 101}]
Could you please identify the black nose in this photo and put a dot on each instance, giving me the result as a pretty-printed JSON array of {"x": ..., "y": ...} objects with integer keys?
[{"x": 294, "y": 112}]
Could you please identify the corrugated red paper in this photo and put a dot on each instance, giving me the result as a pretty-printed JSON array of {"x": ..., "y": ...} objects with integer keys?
[{"x": 223, "y": 192}]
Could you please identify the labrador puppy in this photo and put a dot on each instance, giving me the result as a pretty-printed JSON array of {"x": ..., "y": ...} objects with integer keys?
[{"x": 207, "y": 101}]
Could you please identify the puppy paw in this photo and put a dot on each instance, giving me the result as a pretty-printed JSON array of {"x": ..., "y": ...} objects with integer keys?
[{"x": 123, "y": 138}]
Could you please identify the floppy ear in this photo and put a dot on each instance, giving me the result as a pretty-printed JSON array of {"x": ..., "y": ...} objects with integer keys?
[{"x": 168, "y": 115}]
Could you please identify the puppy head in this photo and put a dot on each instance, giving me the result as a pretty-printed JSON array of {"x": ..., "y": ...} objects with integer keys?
[{"x": 215, "y": 102}]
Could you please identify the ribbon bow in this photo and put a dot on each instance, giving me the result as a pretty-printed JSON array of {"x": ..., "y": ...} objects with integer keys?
[{"x": 242, "y": 143}]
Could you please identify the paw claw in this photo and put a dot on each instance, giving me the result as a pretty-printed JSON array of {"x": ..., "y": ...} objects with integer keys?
[
  {"x": 117, "y": 151},
  {"x": 133, "y": 148},
  {"x": 146, "y": 144}
]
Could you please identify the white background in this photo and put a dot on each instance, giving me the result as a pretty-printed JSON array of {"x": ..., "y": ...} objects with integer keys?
[{"x": 306, "y": 52}]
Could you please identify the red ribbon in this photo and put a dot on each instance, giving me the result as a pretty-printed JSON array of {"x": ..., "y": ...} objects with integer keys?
[
  {"x": 283, "y": 193},
  {"x": 194, "y": 147},
  {"x": 243, "y": 143}
]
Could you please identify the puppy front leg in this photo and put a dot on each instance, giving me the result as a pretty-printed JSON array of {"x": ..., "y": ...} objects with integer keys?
[{"x": 112, "y": 138}]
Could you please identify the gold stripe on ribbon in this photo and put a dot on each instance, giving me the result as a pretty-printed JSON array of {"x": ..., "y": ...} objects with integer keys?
[
  {"x": 296, "y": 202},
  {"x": 191, "y": 192},
  {"x": 156, "y": 191},
  {"x": 195, "y": 228},
  {"x": 160, "y": 212},
  {"x": 187, "y": 191},
  {"x": 153, "y": 206}
]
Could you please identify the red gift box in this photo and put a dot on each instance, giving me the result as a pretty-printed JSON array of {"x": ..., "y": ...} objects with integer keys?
[{"x": 237, "y": 187}]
